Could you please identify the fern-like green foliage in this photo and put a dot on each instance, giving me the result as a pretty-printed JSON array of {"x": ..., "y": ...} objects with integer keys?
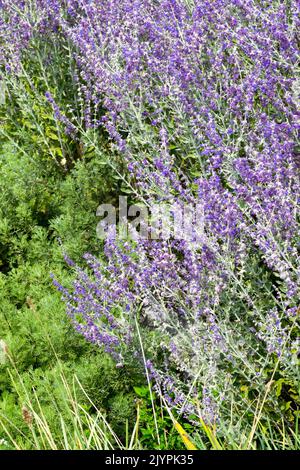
[{"x": 41, "y": 206}]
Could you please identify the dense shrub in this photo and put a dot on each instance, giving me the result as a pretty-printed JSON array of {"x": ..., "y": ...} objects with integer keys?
[
  {"x": 205, "y": 88},
  {"x": 176, "y": 102},
  {"x": 39, "y": 206}
]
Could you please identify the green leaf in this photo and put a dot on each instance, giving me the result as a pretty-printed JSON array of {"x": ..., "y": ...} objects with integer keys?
[{"x": 141, "y": 391}]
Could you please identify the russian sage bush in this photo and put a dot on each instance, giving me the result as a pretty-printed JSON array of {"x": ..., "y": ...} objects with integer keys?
[{"x": 200, "y": 101}]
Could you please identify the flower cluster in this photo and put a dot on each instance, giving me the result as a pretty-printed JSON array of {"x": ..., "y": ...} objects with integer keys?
[
  {"x": 20, "y": 21},
  {"x": 200, "y": 102}
]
